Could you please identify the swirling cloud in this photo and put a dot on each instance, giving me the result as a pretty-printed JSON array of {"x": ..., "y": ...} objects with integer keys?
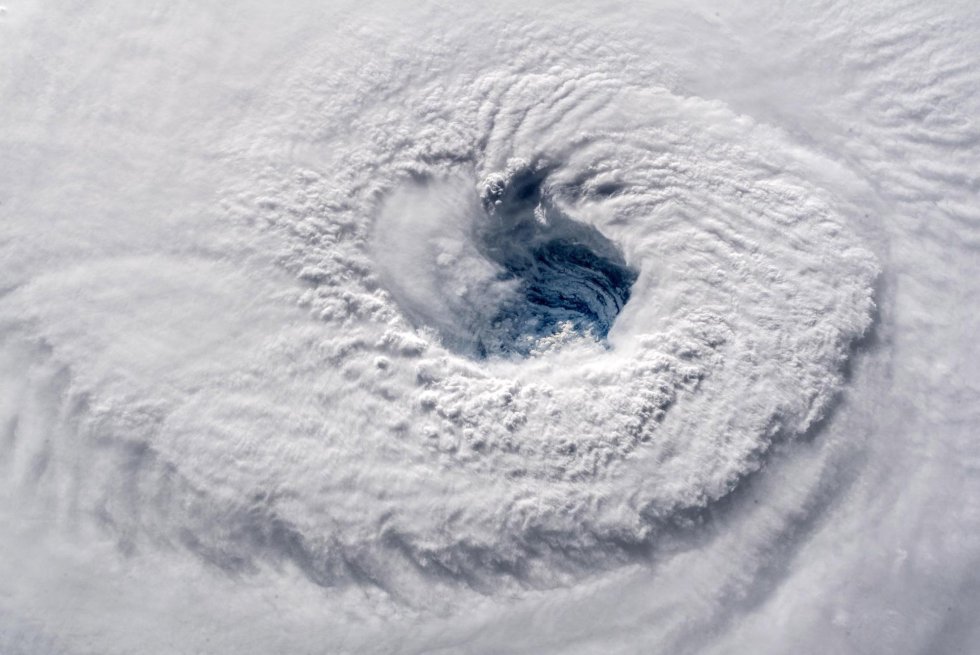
[{"x": 449, "y": 326}]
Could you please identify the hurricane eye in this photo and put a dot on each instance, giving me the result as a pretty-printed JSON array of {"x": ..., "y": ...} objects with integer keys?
[
  {"x": 500, "y": 273},
  {"x": 569, "y": 276}
]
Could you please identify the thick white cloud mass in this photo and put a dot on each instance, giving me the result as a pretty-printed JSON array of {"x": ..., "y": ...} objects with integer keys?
[{"x": 466, "y": 328}]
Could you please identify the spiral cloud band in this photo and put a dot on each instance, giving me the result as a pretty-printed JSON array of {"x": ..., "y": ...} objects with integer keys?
[{"x": 355, "y": 328}]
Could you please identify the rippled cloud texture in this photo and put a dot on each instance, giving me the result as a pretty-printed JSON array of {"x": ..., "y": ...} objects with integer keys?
[{"x": 414, "y": 328}]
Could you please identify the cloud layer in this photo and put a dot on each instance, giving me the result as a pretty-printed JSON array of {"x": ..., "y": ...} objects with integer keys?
[{"x": 488, "y": 332}]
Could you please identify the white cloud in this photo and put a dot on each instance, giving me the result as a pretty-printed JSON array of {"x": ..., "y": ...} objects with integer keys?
[{"x": 245, "y": 255}]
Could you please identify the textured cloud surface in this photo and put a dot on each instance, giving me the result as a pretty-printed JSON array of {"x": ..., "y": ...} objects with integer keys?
[{"x": 380, "y": 328}]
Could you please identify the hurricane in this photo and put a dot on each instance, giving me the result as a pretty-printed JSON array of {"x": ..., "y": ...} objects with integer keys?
[{"x": 388, "y": 327}]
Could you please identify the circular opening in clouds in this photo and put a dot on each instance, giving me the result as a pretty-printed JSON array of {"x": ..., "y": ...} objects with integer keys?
[{"x": 513, "y": 275}]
